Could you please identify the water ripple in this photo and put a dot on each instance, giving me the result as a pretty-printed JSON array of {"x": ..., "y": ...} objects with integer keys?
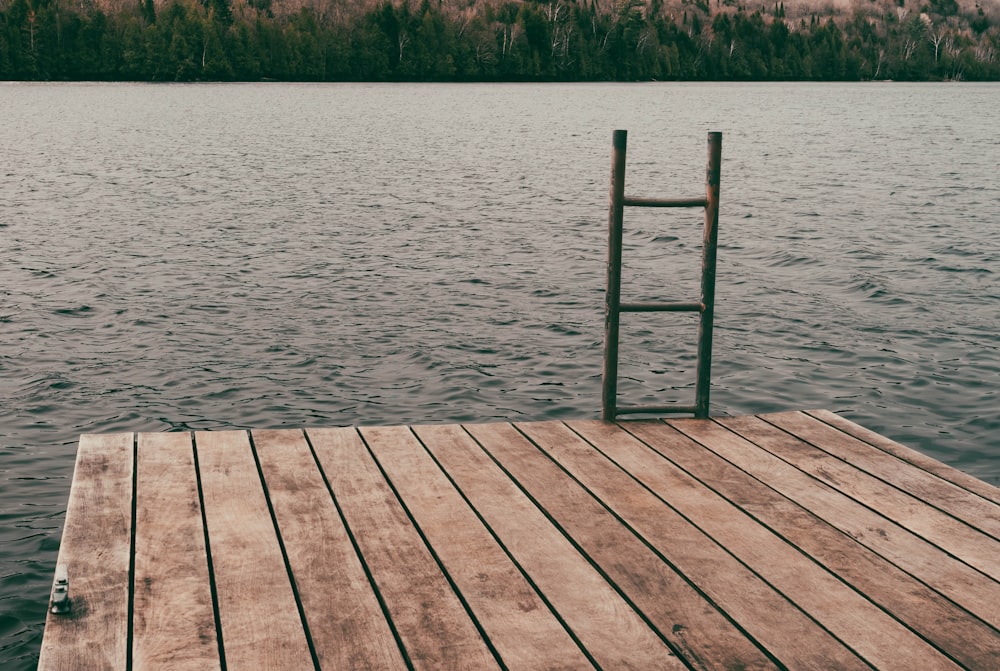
[{"x": 214, "y": 256}]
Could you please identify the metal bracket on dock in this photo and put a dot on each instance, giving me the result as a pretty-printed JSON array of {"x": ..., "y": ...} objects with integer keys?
[{"x": 60, "y": 591}]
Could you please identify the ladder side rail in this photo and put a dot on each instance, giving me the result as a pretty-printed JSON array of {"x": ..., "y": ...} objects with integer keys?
[
  {"x": 612, "y": 295},
  {"x": 708, "y": 266}
]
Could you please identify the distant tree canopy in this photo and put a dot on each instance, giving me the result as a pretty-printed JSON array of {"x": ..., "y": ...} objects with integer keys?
[{"x": 559, "y": 40}]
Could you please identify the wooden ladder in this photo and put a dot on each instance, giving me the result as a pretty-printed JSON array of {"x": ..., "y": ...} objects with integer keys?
[{"x": 705, "y": 306}]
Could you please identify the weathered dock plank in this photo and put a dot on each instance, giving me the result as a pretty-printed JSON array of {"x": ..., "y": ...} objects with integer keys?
[
  {"x": 258, "y": 615},
  {"x": 921, "y": 461},
  {"x": 794, "y": 638},
  {"x": 790, "y": 540},
  {"x": 948, "y": 497},
  {"x": 171, "y": 565},
  {"x": 690, "y": 623},
  {"x": 966, "y": 639},
  {"x": 928, "y": 563},
  {"x": 96, "y": 545},
  {"x": 847, "y": 614},
  {"x": 908, "y": 510},
  {"x": 522, "y": 629},
  {"x": 612, "y": 632},
  {"x": 436, "y": 630},
  {"x": 345, "y": 621}
]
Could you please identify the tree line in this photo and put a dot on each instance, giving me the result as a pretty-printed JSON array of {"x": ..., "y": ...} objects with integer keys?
[{"x": 552, "y": 40}]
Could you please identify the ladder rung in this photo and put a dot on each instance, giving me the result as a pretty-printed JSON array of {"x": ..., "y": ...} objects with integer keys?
[
  {"x": 704, "y": 306},
  {"x": 653, "y": 409},
  {"x": 632, "y": 201},
  {"x": 661, "y": 307}
]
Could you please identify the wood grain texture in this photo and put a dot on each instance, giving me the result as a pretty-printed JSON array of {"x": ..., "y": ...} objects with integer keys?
[
  {"x": 789, "y": 540},
  {"x": 791, "y": 636},
  {"x": 525, "y": 633},
  {"x": 700, "y": 633},
  {"x": 950, "y": 534},
  {"x": 604, "y": 623},
  {"x": 848, "y": 615},
  {"x": 96, "y": 547},
  {"x": 261, "y": 627},
  {"x": 958, "y": 502},
  {"x": 432, "y": 623},
  {"x": 346, "y": 623},
  {"x": 959, "y": 582},
  {"x": 953, "y": 630},
  {"x": 174, "y": 622},
  {"x": 922, "y": 461}
]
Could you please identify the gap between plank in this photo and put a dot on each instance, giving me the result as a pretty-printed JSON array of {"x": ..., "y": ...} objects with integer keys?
[
  {"x": 284, "y": 553},
  {"x": 208, "y": 557},
  {"x": 433, "y": 553}
]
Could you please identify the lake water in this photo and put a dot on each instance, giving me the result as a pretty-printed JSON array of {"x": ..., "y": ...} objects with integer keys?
[{"x": 271, "y": 255}]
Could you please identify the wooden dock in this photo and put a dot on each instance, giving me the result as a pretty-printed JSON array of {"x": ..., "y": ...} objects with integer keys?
[{"x": 793, "y": 540}]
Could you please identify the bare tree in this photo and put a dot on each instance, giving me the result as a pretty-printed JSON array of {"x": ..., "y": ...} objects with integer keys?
[
  {"x": 881, "y": 60},
  {"x": 907, "y": 48},
  {"x": 31, "y": 27},
  {"x": 935, "y": 35},
  {"x": 404, "y": 39},
  {"x": 985, "y": 52}
]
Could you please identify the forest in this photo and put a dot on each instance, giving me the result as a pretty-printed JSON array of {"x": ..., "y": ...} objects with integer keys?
[{"x": 530, "y": 40}]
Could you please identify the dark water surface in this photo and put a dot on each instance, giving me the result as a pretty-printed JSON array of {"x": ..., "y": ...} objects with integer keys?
[{"x": 272, "y": 255}]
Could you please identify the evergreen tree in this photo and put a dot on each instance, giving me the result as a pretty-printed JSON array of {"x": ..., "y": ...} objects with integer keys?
[{"x": 514, "y": 40}]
